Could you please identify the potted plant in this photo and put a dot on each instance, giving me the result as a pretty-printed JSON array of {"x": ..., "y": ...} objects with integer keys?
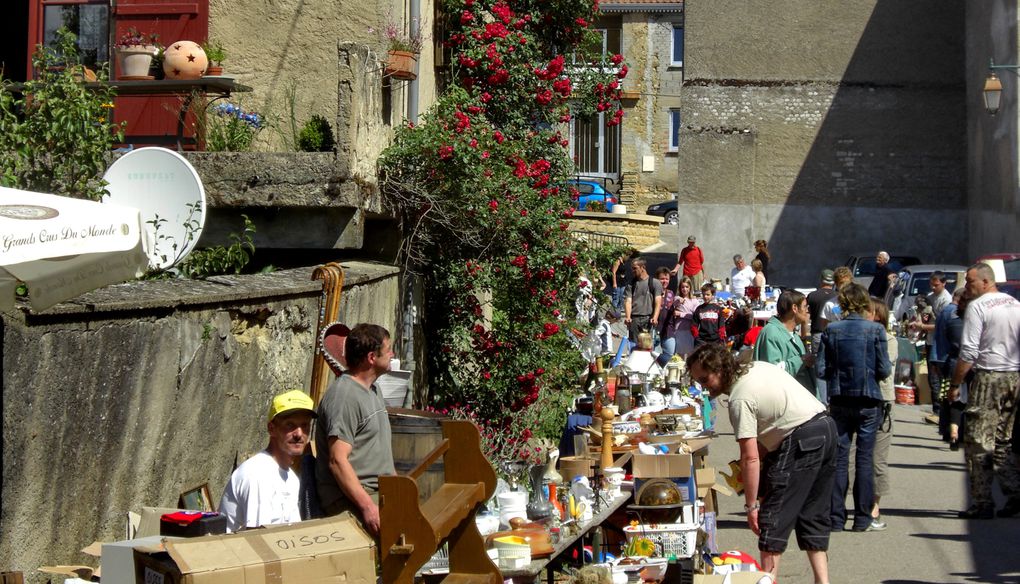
[
  {"x": 216, "y": 54},
  {"x": 135, "y": 52},
  {"x": 403, "y": 52}
]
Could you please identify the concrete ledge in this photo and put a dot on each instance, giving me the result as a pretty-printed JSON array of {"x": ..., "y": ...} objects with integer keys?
[
  {"x": 281, "y": 179},
  {"x": 173, "y": 294},
  {"x": 641, "y": 231}
]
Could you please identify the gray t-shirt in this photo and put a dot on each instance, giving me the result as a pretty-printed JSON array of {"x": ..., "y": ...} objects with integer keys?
[
  {"x": 356, "y": 415},
  {"x": 642, "y": 294},
  {"x": 767, "y": 403}
]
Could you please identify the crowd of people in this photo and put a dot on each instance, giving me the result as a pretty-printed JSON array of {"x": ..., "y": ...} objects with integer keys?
[
  {"x": 818, "y": 384},
  {"x": 804, "y": 388}
]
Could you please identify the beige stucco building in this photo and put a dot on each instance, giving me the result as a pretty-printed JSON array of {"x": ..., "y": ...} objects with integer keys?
[{"x": 326, "y": 57}]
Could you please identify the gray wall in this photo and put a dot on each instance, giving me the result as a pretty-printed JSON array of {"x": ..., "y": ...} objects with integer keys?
[
  {"x": 137, "y": 392},
  {"x": 992, "y": 187},
  {"x": 826, "y": 128}
]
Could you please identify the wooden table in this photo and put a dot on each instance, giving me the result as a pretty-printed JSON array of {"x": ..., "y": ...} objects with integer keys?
[
  {"x": 534, "y": 569},
  {"x": 531, "y": 573}
]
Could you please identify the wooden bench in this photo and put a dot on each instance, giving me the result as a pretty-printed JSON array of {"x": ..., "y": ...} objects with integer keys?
[{"x": 411, "y": 533}]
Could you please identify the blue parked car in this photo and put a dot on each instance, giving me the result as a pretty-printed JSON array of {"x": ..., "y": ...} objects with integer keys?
[{"x": 589, "y": 191}]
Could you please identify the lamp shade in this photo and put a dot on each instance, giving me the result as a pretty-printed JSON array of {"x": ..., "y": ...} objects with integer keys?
[{"x": 992, "y": 93}]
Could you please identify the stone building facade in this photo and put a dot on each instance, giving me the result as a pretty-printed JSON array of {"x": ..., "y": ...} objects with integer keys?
[
  {"x": 993, "y": 190},
  {"x": 640, "y": 155},
  {"x": 825, "y": 129}
]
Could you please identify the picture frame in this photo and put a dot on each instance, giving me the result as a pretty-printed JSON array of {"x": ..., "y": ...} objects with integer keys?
[{"x": 196, "y": 499}]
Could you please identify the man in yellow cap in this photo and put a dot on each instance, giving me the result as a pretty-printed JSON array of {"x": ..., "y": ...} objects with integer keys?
[{"x": 263, "y": 490}]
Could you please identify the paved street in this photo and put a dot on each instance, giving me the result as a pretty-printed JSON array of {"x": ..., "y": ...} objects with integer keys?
[{"x": 925, "y": 541}]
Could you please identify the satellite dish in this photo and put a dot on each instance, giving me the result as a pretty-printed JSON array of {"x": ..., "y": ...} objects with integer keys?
[{"x": 164, "y": 186}]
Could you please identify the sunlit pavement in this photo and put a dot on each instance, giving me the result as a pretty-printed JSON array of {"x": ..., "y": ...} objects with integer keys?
[{"x": 925, "y": 541}]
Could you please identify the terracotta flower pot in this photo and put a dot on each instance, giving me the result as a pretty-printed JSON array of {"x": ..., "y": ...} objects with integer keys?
[
  {"x": 213, "y": 71},
  {"x": 402, "y": 65},
  {"x": 134, "y": 61}
]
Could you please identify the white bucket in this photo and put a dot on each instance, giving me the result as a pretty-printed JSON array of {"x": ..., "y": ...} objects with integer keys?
[{"x": 619, "y": 209}]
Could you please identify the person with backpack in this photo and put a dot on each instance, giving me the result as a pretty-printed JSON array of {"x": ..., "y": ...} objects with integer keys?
[{"x": 642, "y": 300}]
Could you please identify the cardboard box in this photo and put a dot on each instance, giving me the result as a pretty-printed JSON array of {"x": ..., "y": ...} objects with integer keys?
[
  {"x": 705, "y": 479},
  {"x": 334, "y": 549},
  {"x": 117, "y": 559},
  {"x": 148, "y": 520},
  {"x": 677, "y": 467}
]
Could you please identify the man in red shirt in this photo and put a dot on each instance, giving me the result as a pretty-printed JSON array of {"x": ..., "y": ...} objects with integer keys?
[{"x": 693, "y": 261}]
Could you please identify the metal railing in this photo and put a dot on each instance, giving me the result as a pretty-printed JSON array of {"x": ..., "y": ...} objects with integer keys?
[{"x": 599, "y": 239}]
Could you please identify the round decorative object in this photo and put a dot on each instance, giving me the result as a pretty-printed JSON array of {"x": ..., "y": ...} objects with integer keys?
[
  {"x": 184, "y": 60},
  {"x": 659, "y": 492}
]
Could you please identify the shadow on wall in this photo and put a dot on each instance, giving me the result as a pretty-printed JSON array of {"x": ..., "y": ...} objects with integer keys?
[{"x": 887, "y": 168}]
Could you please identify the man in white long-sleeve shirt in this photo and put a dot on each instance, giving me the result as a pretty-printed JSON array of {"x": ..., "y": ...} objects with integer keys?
[
  {"x": 263, "y": 490},
  {"x": 990, "y": 347}
]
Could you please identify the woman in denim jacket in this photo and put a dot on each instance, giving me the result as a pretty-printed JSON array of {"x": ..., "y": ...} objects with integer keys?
[{"x": 854, "y": 357}]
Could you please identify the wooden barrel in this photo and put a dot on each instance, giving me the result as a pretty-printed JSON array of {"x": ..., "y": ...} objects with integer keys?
[{"x": 415, "y": 434}]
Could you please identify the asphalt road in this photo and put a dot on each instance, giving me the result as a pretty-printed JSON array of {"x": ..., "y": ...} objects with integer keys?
[{"x": 925, "y": 541}]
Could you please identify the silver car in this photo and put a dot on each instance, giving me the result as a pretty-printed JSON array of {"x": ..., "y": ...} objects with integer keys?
[{"x": 914, "y": 281}]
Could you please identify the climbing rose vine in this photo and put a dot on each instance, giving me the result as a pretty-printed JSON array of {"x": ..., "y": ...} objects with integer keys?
[{"x": 479, "y": 187}]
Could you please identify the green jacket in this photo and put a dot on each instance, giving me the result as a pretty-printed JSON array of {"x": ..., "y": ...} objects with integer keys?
[{"x": 781, "y": 347}]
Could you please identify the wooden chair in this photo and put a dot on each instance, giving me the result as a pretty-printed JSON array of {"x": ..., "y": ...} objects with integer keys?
[{"x": 411, "y": 533}]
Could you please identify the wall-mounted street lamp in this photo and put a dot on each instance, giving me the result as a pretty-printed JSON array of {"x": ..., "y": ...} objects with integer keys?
[{"x": 993, "y": 86}]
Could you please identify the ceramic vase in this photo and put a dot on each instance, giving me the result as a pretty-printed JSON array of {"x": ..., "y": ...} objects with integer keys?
[{"x": 539, "y": 507}]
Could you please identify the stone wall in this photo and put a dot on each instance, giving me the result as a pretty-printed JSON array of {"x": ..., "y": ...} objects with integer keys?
[
  {"x": 804, "y": 120},
  {"x": 993, "y": 190},
  {"x": 136, "y": 392},
  {"x": 641, "y": 231}
]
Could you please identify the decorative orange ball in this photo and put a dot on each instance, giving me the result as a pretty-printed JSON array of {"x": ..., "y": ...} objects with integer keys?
[{"x": 184, "y": 60}]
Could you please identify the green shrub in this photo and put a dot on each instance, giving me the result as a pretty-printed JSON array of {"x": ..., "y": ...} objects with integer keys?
[
  {"x": 316, "y": 135},
  {"x": 218, "y": 260},
  {"x": 56, "y": 135},
  {"x": 215, "y": 52}
]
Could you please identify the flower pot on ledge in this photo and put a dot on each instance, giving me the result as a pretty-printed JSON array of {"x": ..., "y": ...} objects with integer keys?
[
  {"x": 134, "y": 61},
  {"x": 402, "y": 65}
]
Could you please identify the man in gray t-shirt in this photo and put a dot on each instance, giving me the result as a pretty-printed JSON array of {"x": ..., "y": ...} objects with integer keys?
[
  {"x": 642, "y": 300},
  {"x": 352, "y": 433}
]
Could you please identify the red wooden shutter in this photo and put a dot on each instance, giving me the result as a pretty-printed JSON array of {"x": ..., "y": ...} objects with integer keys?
[{"x": 173, "y": 21}]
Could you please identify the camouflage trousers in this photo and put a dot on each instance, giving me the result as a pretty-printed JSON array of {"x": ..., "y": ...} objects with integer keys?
[{"x": 991, "y": 408}]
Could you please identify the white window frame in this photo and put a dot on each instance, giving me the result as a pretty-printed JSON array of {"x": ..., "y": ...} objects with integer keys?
[
  {"x": 674, "y": 129},
  {"x": 672, "y": 46}
]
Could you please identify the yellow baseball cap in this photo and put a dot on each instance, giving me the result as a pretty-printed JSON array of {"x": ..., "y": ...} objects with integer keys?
[{"x": 290, "y": 401}]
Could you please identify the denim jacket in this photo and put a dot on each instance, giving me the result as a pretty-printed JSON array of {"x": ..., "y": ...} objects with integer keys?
[{"x": 854, "y": 357}]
